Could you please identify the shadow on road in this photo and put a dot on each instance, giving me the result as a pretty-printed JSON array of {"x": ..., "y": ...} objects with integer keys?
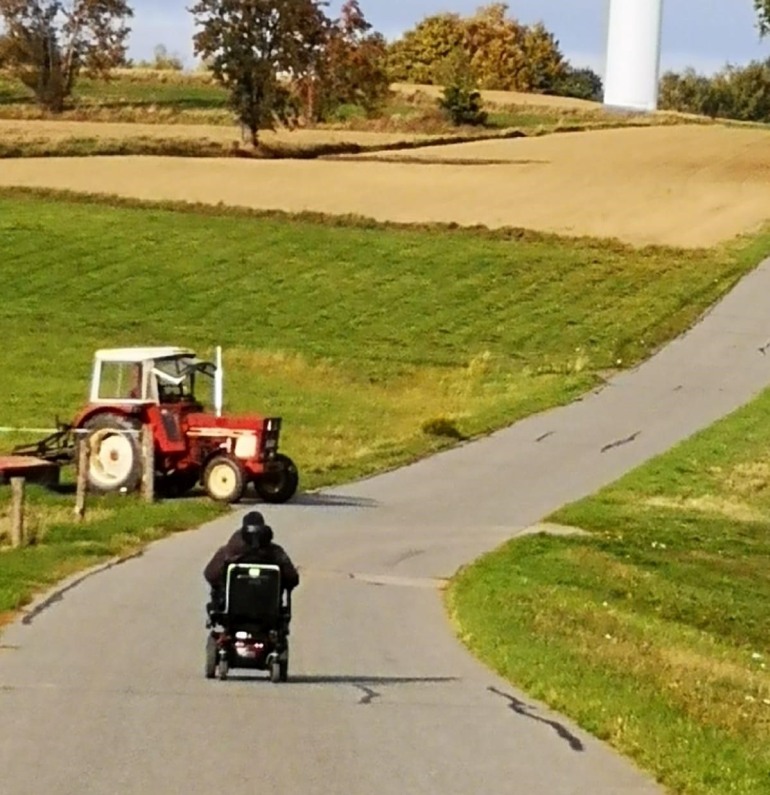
[
  {"x": 366, "y": 684},
  {"x": 325, "y": 679},
  {"x": 320, "y": 501},
  {"x": 302, "y": 500}
]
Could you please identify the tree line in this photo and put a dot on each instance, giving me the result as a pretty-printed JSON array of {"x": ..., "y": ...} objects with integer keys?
[
  {"x": 282, "y": 59},
  {"x": 735, "y": 92}
]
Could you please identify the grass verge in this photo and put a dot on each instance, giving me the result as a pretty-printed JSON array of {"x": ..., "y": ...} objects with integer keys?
[
  {"x": 377, "y": 343},
  {"x": 115, "y": 527},
  {"x": 654, "y": 631}
]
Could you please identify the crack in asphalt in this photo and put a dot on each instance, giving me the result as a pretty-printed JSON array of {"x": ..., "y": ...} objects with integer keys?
[
  {"x": 58, "y": 595},
  {"x": 545, "y": 436},
  {"x": 368, "y": 694},
  {"x": 408, "y": 555},
  {"x": 622, "y": 442},
  {"x": 520, "y": 708}
]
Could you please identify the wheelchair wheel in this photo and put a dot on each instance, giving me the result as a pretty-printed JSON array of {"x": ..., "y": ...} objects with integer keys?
[
  {"x": 275, "y": 673},
  {"x": 211, "y": 658}
]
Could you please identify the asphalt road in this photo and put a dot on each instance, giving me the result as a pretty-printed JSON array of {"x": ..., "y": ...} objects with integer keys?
[{"x": 101, "y": 685}]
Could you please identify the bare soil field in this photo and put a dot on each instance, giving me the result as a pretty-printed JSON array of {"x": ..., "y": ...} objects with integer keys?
[
  {"x": 61, "y": 130},
  {"x": 688, "y": 186}
]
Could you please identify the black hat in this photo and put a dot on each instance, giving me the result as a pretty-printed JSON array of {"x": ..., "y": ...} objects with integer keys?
[
  {"x": 253, "y": 519},
  {"x": 252, "y": 523}
]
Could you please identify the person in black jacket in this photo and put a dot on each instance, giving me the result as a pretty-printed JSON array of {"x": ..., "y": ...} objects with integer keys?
[{"x": 252, "y": 543}]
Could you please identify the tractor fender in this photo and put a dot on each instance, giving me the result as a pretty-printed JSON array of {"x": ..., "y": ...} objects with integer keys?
[
  {"x": 92, "y": 411},
  {"x": 216, "y": 452}
]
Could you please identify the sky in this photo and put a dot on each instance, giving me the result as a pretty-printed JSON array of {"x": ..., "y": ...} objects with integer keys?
[{"x": 704, "y": 34}]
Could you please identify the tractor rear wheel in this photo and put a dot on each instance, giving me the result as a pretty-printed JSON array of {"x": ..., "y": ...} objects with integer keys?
[
  {"x": 115, "y": 460},
  {"x": 281, "y": 486},
  {"x": 224, "y": 479}
]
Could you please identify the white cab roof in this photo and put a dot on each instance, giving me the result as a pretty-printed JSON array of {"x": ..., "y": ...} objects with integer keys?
[{"x": 140, "y": 354}]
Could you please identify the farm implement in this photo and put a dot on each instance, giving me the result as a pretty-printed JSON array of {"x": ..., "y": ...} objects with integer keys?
[{"x": 132, "y": 388}]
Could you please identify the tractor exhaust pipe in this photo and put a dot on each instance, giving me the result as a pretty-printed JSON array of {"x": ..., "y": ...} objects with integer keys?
[{"x": 218, "y": 383}]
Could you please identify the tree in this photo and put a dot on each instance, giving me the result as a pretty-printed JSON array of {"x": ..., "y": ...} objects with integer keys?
[
  {"x": 162, "y": 61},
  {"x": 741, "y": 93},
  {"x": 748, "y": 90},
  {"x": 251, "y": 44},
  {"x": 689, "y": 92},
  {"x": 578, "y": 83},
  {"x": 545, "y": 63},
  {"x": 509, "y": 56},
  {"x": 763, "y": 13},
  {"x": 504, "y": 54},
  {"x": 460, "y": 100},
  {"x": 352, "y": 69},
  {"x": 48, "y": 43},
  {"x": 413, "y": 58}
]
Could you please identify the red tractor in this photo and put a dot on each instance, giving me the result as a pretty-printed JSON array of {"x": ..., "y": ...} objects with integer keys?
[{"x": 132, "y": 387}]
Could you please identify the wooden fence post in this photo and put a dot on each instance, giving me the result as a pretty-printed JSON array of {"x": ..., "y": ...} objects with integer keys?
[
  {"x": 148, "y": 463},
  {"x": 84, "y": 457},
  {"x": 17, "y": 512}
]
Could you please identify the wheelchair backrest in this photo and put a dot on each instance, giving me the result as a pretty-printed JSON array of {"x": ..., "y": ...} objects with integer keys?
[{"x": 253, "y": 592}]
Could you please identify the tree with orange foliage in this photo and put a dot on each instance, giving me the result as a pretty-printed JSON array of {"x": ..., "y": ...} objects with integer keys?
[
  {"x": 351, "y": 70},
  {"x": 504, "y": 54},
  {"x": 417, "y": 56}
]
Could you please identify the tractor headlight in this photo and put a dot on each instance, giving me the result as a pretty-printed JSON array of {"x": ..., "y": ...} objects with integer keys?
[{"x": 246, "y": 446}]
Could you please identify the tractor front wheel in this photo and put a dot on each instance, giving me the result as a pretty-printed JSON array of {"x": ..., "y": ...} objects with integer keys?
[
  {"x": 115, "y": 460},
  {"x": 224, "y": 479},
  {"x": 281, "y": 486}
]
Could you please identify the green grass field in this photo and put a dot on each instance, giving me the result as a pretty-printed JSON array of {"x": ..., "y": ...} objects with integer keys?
[
  {"x": 654, "y": 632},
  {"x": 191, "y": 92},
  {"x": 369, "y": 339},
  {"x": 358, "y": 335}
]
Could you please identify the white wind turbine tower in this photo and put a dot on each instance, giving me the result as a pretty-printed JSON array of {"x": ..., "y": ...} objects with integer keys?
[{"x": 633, "y": 54}]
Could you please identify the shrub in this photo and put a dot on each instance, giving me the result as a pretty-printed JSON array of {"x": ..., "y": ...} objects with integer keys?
[
  {"x": 578, "y": 83},
  {"x": 442, "y": 427},
  {"x": 348, "y": 112},
  {"x": 463, "y": 105}
]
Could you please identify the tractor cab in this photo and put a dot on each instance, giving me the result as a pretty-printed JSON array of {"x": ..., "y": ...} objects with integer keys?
[{"x": 158, "y": 376}]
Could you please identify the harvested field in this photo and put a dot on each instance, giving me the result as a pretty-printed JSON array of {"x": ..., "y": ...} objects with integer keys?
[
  {"x": 507, "y": 98},
  {"x": 62, "y": 130},
  {"x": 682, "y": 146},
  {"x": 688, "y": 186}
]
